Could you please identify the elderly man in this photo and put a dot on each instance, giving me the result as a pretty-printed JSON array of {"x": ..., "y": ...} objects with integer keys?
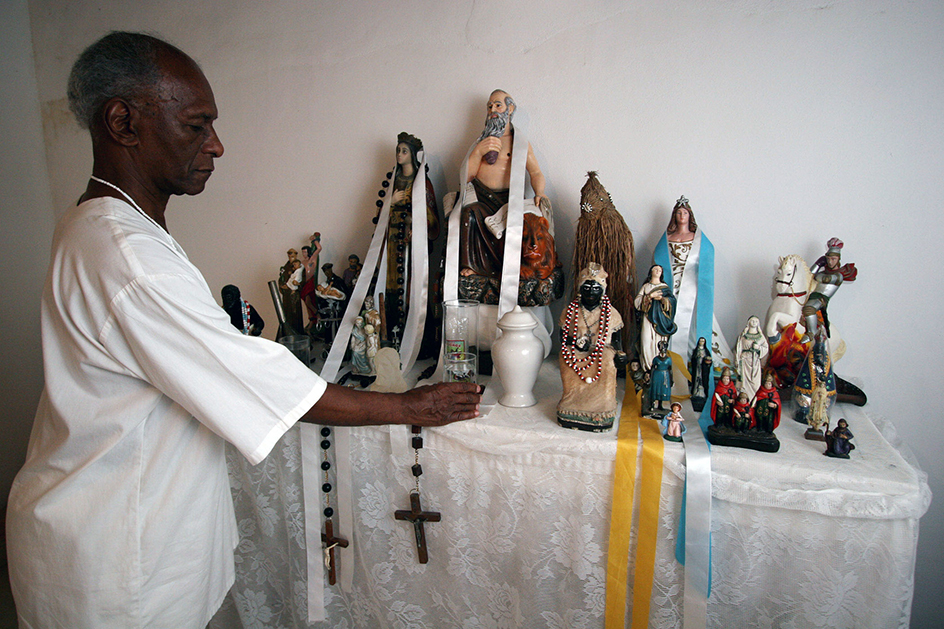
[
  {"x": 122, "y": 514},
  {"x": 489, "y": 172}
]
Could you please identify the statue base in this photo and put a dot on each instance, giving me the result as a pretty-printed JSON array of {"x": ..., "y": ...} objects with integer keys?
[
  {"x": 587, "y": 422},
  {"x": 750, "y": 439},
  {"x": 531, "y": 292}
]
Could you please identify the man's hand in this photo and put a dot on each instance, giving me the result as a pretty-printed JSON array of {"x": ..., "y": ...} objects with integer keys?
[
  {"x": 431, "y": 405},
  {"x": 441, "y": 404}
]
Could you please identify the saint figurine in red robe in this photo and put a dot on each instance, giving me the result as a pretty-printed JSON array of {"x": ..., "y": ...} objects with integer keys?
[
  {"x": 722, "y": 401},
  {"x": 766, "y": 407}
]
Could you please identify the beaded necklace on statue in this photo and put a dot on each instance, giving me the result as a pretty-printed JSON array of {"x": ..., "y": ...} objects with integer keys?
[
  {"x": 415, "y": 514},
  {"x": 244, "y": 309},
  {"x": 328, "y": 538},
  {"x": 595, "y": 357}
]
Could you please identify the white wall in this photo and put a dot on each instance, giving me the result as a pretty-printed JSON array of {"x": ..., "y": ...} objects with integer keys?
[
  {"x": 785, "y": 123},
  {"x": 25, "y": 232}
]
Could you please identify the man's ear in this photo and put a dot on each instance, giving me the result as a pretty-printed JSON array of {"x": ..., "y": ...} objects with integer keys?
[{"x": 120, "y": 120}]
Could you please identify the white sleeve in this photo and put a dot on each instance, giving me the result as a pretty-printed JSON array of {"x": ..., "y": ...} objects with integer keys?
[{"x": 168, "y": 330}]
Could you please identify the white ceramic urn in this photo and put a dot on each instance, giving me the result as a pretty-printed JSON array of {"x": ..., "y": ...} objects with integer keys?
[{"x": 517, "y": 356}]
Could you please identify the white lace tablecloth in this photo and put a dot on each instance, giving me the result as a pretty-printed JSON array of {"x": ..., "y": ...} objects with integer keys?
[{"x": 799, "y": 539}]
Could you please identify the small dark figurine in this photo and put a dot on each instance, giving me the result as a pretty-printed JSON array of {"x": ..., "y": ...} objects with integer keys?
[
  {"x": 837, "y": 441},
  {"x": 673, "y": 423},
  {"x": 640, "y": 379},
  {"x": 700, "y": 368},
  {"x": 660, "y": 381},
  {"x": 242, "y": 315},
  {"x": 351, "y": 273}
]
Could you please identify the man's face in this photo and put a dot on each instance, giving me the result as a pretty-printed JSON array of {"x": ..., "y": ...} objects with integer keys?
[
  {"x": 832, "y": 260},
  {"x": 177, "y": 140},
  {"x": 352, "y": 263}
]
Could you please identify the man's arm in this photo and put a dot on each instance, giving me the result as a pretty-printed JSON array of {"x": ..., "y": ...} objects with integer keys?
[{"x": 431, "y": 405}]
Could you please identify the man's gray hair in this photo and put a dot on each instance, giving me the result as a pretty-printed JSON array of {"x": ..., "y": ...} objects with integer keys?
[{"x": 120, "y": 64}]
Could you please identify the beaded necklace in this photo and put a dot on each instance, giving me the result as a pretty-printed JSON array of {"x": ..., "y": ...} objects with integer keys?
[
  {"x": 415, "y": 513},
  {"x": 328, "y": 538},
  {"x": 244, "y": 308},
  {"x": 595, "y": 357}
]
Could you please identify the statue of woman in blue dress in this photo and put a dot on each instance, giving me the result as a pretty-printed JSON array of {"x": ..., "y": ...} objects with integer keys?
[{"x": 660, "y": 380}]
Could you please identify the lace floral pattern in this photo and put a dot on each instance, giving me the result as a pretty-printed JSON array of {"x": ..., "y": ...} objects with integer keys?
[{"x": 525, "y": 519}]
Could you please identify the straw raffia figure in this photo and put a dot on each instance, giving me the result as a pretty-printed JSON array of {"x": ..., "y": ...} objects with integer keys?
[{"x": 602, "y": 236}]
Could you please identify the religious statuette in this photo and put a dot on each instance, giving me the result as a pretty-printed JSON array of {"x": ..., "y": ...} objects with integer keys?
[
  {"x": 673, "y": 424},
  {"x": 814, "y": 390},
  {"x": 310, "y": 256},
  {"x": 838, "y": 442},
  {"x": 407, "y": 185},
  {"x": 699, "y": 366},
  {"x": 751, "y": 356},
  {"x": 484, "y": 216},
  {"x": 241, "y": 313},
  {"x": 517, "y": 355},
  {"x": 687, "y": 258},
  {"x": 590, "y": 355},
  {"x": 660, "y": 382},
  {"x": 291, "y": 276},
  {"x": 798, "y": 313},
  {"x": 656, "y": 302},
  {"x": 743, "y": 422},
  {"x": 602, "y": 236}
]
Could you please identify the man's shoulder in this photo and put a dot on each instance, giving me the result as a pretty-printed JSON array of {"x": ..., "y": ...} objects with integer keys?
[{"x": 106, "y": 235}]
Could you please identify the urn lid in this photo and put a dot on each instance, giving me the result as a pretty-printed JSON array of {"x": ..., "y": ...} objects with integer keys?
[{"x": 517, "y": 319}]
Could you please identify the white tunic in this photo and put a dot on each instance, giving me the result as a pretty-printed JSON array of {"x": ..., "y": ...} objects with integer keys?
[{"x": 122, "y": 515}]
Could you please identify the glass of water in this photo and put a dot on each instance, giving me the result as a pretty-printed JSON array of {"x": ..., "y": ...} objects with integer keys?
[{"x": 460, "y": 333}]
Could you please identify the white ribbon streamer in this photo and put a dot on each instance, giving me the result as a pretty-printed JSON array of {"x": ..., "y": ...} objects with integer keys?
[
  {"x": 311, "y": 442},
  {"x": 697, "y": 529},
  {"x": 419, "y": 277},
  {"x": 514, "y": 225},
  {"x": 681, "y": 342}
]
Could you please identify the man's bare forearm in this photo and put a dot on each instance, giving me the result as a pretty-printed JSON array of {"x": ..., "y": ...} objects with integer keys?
[{"x": 432, "y": 405}]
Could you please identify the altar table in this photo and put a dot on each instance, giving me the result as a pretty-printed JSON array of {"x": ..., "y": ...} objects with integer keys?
[{"x": 798, "y": 539}]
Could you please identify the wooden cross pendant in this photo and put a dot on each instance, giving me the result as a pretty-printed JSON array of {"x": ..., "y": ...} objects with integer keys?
[
  {"x": 330, "y": 541},
  {"x": 417, "y": 516}
]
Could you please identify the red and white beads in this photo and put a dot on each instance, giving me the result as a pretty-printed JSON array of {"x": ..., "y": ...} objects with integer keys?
[{"x": 595, "y": 357}]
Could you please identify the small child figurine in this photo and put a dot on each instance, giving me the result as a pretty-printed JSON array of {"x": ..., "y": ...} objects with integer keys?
[
  {"x": 837, "y": 441},
  {"x": 741, "y": 416},
  {"x": 673, "y": 423}
]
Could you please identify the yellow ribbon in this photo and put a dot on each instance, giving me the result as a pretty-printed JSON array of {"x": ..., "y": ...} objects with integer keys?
[{"x": 632, "y": 424}]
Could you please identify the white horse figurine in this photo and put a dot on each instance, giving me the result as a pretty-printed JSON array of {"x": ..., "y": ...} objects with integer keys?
[{"x": 791, "y": 288}]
